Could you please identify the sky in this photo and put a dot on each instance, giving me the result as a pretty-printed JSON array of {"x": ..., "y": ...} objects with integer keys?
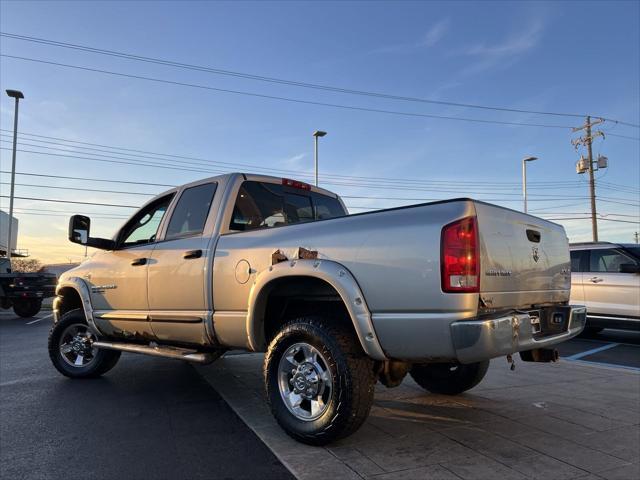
[{"x": 568, "y": 57}]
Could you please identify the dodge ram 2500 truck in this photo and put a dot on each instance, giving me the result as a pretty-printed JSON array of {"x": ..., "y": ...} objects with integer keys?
[{"x": 337, "y": 301}]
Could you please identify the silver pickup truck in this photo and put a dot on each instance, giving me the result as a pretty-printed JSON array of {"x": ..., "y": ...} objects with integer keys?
[{"x": 337, "y": 301}]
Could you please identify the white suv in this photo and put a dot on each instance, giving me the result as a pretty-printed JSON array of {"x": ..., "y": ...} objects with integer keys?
[{"x": 605, "y": 277}]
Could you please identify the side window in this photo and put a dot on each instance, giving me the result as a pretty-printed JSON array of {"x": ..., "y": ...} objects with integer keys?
[
  {"x": 576, "y": 260},
  {"x": 607, "y": 260},
  {"x": 326, "y": 207},
  {"x": 261, "y": 205},
  {"x": 258, "y": 205},
  {"x": 191, "y": 211},
  {"x": 298, "y": 208},
  {"x": 143, "y": 227}
]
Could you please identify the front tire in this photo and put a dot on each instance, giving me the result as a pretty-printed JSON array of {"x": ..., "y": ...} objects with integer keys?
[
  {"x": 71, "y": 352},
  {"x": 319, "y": 382},
  {"x": 449, "y": 378},
  {"x": 27, "y": 308}
]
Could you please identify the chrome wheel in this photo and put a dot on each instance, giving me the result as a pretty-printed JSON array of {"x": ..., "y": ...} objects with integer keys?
[
  {"x": 305, "y": 381},
  {"x": 76, "y": 345}
]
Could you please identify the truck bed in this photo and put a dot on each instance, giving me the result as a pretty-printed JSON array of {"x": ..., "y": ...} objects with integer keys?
[{"x": 400, "y": 248}]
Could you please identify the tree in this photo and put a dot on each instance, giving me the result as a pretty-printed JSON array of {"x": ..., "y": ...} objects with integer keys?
[{"x": 26, "y": 265}]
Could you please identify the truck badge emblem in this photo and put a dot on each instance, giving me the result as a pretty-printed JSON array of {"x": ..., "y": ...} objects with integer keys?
[{"x": 534, "y": 254}]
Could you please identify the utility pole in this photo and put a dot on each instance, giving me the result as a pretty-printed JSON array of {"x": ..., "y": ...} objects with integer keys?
[
  {"x": 587, "y": 140},
  {"x": 635, "y": 235}
]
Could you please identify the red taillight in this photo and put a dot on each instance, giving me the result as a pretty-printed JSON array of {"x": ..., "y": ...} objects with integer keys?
[
  {"x": 460, "y": 263},
  {"x": 295, "y": 184}
]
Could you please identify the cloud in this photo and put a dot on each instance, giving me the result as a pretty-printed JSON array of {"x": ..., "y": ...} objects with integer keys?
[
  {"x": 435, "y": 33},
  {"x": 429, "y": 39},
  {"x": 503, "y": 53},
  {"x": 295, "y": 163}
]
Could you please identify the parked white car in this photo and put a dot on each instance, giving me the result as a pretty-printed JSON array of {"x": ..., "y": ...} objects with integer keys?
[{"x": 605, "y": 277}]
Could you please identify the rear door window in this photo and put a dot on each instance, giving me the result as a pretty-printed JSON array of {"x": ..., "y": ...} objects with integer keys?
[
  {"x": 607, "y": 260},
  {"x": 191, "y": 212}
]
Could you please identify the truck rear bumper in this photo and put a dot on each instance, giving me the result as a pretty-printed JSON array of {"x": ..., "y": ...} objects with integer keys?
[{"x": 476, "y": 340}]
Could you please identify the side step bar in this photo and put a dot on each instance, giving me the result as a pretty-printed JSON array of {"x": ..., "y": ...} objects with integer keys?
[{"x": 162, "y": 351}]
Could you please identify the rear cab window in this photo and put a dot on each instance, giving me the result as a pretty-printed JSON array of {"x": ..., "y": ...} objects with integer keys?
[{"x": 267, "y": 205}]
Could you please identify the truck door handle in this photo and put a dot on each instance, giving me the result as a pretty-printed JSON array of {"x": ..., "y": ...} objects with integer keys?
[
  {"x": 595, "y": 279},
  {"x": 192, "y": 254},
  {"x": 139, "y": 261}
]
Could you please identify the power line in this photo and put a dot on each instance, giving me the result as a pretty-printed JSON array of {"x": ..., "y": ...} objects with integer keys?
[
  {"x": 72, "y": 201},
  {"x": 280, "y": 98},
  {"x": 376, "y": 183},
  {"x": 268, "y": 79},
  {"x": 622, "y": 136},
  {"x": 262, "y": 78},
  {"x": 46, "y": 210},
  {"x": 343, "y": 184},
  {"x": 88, "y": 179},
  {"x": 298, "y": 174},
  {"x": 101, "y": 217},
  {"x": 77, "y": 188},
  {"x": 589, "y": 218}
]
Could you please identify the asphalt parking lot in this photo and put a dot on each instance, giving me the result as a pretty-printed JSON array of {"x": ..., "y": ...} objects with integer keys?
[
  {"x": 147, "y": 418},
  {"x": 615, "y": 348},
  {"x": 156, "y": 418}
]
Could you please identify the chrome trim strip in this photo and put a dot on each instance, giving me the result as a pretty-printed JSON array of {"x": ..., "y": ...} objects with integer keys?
[{"x": 626, "y": 319}]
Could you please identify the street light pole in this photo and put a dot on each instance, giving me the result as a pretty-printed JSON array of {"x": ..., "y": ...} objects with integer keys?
[
  {"x": 17, "y": 95},
  {"x": 524, "y": 179},
  {"x": 317, "y": 134}
]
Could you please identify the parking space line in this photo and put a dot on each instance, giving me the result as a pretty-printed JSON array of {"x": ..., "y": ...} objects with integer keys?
[
  {"x": 592, "y": 351},
  {"x": 41, "y": 318},
  {"x": 605, "y": 364}
]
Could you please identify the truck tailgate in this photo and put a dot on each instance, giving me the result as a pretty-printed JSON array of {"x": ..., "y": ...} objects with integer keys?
[{"x": 524, "y": 260}]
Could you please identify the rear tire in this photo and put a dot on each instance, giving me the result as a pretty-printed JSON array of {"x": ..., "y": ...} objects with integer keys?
[
  {"x": 27, "y": 308},
  {"x": 319, "y": 381},
  {"x": 449, "y": 378},
  {"x": 71, "y": 352}
]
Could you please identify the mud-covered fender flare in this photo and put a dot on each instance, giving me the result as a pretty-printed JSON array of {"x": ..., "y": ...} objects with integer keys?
[
  {"x": 332, "y": 273},
  {"x": 82, "y": 289}
]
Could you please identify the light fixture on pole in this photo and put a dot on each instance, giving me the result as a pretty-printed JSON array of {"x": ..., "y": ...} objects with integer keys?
[
  {"x": 317, "y": 134},
  {"x": 524, "y": 178},
  {"x": 17, "y": 95}
]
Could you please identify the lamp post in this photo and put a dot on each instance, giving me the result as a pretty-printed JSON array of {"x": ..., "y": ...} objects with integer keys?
[
  {"x": 317, "y": 134},
  {"x": 17, "y": 95},
  {"x": 524, "y": 178}
]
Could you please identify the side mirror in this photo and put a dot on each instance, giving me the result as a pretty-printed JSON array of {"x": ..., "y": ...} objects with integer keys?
[
  {"x": 629, "y": 268},
  {"x": 79, "y": 227}
]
